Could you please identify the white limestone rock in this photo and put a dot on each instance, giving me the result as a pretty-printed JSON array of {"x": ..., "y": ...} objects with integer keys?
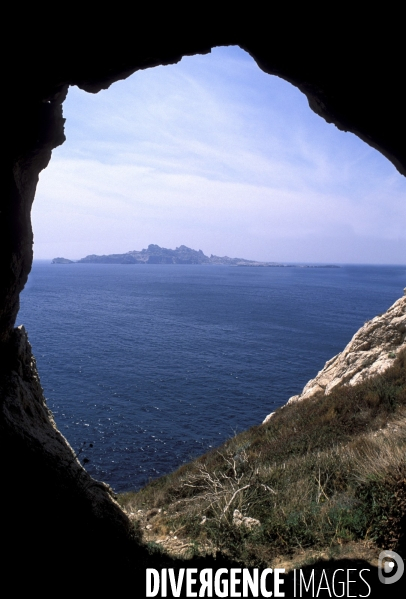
[
  {"x": 240, "y": 520},
  {"x": 371, "y": 351}
]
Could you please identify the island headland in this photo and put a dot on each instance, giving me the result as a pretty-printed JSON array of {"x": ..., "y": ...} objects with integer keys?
[{"x": 155, "y": 254}]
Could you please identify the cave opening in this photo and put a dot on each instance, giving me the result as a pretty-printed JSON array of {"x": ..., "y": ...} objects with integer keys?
[{"x": 312, "y": 206}]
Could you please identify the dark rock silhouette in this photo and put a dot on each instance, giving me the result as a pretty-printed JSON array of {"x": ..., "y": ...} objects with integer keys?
[
  {"x": 157, "y": 255},
  {"x": 59, "y": 526}
]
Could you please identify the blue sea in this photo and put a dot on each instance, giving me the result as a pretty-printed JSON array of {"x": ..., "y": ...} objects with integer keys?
[{"x": 153, "y": 365}]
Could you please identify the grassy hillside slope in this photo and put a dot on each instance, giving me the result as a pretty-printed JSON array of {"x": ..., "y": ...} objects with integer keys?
[{"x": 322, "y": 474}]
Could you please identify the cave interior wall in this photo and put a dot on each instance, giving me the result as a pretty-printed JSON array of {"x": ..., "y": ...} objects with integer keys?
[{"x": 352, "y": 75}]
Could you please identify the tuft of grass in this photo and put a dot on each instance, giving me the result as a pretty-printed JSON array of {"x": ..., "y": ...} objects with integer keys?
[{"x": 323, "y": 473}]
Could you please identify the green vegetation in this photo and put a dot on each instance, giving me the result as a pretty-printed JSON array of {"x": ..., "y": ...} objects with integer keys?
[{"x": 322, "y": 473}]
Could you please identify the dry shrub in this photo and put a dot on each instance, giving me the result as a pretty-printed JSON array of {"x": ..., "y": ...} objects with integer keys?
[{"x": 321, "y": 473}]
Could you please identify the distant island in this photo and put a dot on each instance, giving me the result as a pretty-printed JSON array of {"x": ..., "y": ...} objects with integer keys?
[{"x": 181, "y": 255}]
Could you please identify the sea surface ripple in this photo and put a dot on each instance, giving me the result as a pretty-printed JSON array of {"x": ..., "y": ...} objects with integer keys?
[{"x": 156, "y": 364}]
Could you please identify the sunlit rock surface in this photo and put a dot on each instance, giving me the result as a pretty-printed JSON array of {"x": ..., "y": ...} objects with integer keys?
[{"x": 371, "y": 351}]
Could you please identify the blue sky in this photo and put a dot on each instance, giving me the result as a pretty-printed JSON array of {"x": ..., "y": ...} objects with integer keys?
[{"x": 215, "y": 154}]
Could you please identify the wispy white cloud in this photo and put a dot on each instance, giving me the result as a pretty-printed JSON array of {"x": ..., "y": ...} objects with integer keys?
[{"x": 214, "y": 153}]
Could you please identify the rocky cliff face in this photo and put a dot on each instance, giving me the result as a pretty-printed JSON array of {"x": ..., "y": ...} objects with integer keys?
[
  {"x": 38, "y": 525},
  {"x": 371, "y": 351}
]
